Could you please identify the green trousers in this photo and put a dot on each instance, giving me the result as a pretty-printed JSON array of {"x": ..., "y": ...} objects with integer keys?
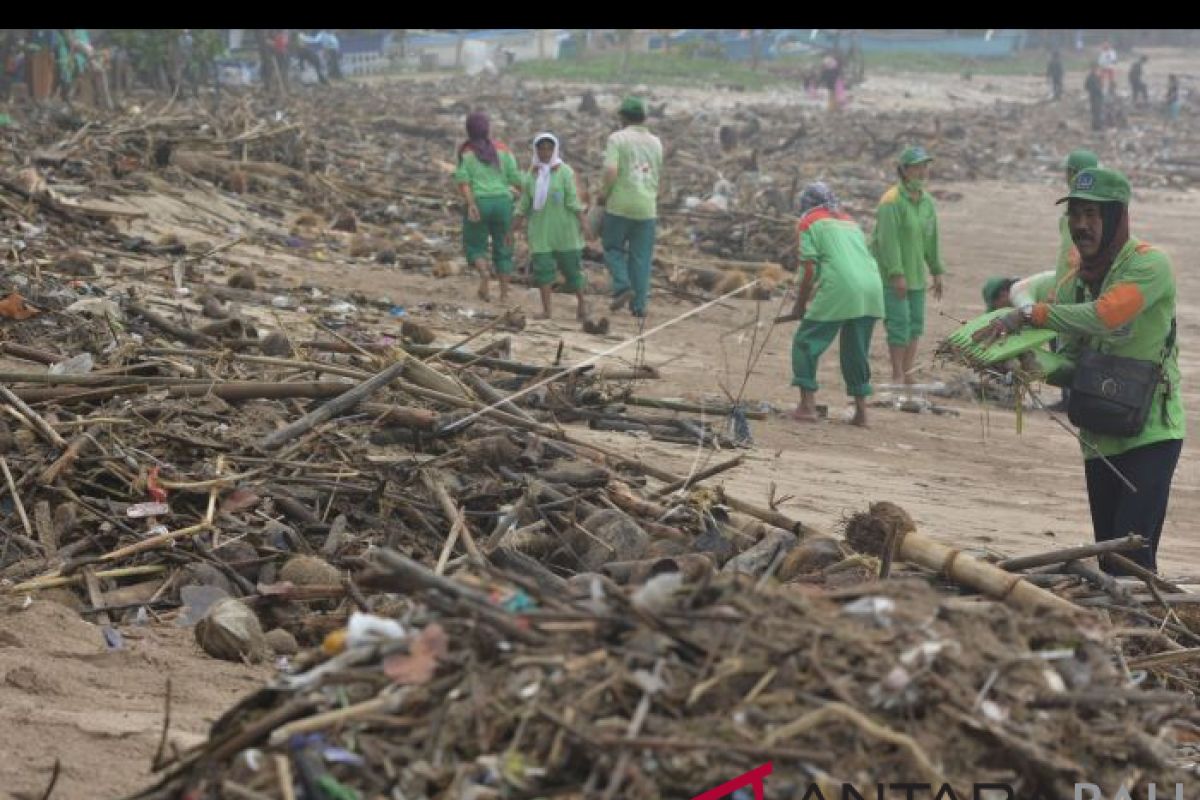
[
  {"x": 495, "y": 222},
  {"x": 628, "y": 249},
  {"x": 813, "y": 338},
  {"x": 905, "y": 317}
]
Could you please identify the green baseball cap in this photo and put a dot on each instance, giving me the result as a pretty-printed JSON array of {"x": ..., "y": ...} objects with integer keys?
[
  {"x": 914, "y": 155},
  {"x": 1082, "y": 159},
  {"x": 633, "y": 105},
  {"x": 993, "y": 287},
  {"x": 1099, "y": 185}
]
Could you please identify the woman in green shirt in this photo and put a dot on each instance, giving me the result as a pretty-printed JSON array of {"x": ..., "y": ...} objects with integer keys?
[
  {"x": 551, "y": 204},
  {"x": 905, "y": 243},
  {"x": 486, "y": 171}
]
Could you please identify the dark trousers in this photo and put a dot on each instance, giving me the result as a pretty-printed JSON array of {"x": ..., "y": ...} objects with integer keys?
[
  {"x": 1097, "y": 104},
  {"x": 1118, "y": 512}
]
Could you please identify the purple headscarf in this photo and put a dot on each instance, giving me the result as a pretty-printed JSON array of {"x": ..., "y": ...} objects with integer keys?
[{"x": 478, "y": 142}]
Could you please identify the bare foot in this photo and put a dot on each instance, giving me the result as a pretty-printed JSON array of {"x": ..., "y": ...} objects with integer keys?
[
  {"x": 859, "y": 421},
  {"x": 484, "y": 294},
  {"x": 800, "y": 415}
]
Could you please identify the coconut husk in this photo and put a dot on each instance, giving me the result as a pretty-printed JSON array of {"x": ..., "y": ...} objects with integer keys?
[
  {"x": 231, "y": 328},
  {"x": 77, "y": 264},
  {"x": 276, "y": 345},
  {"x": 281, "y": 642},
  {"x": 598, "y": 327},
  {"x": 447, "y": 268},
  {"x": 198, "y": 573},
  {"x": 230, "y": 631},
  {"x": 243, "y": 280},
  {"x": 213, "y": 309},
  {"x": 345, "y": 222},
  {"x": 811, "y": 556},
  {"x": 310, "y": 571},
  {"x": 416, "y": 332},
  {"x": 730, "y": 280},
  {"x": 363, "y": 246},
  {"x": 611, "y": 535},
  {"x": 492, "y": 451}
]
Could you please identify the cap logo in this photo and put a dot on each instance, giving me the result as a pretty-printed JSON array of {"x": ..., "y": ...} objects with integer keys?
[{"x": 1085, "y": 181}]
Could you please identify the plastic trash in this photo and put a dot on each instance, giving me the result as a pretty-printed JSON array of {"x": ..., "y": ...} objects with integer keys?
[
  {"x": 877, "y": 609},
  {"x": 75, "y": 365},
  {"x": 281, "y": 301},
  {"x": 371, "y": 628},
  {"x": 398, "y": 311},
  {"x": 197, "y": 600},
  {"x": 141, "y": 510}
]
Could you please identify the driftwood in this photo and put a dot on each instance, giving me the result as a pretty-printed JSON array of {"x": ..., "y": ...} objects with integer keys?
[
  {"x": 1071, "y": 554},
  {"x": 166, "y": 326}
]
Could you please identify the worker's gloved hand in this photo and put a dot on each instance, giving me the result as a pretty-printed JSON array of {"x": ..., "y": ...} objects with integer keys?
[{"x": 1000, "y": 327}]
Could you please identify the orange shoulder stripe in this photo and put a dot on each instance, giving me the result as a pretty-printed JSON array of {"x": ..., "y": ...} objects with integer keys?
[
  {"x": 1120, "y": 304},
  {"x": 1040, "y": 312}
]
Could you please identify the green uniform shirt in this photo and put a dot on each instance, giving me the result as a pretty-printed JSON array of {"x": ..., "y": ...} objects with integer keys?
[
  {"x": 905, "y": 239},
  {"x": 555, "y": 228},
  {"x": 637, "y": 154},
  {"x": 487, "y": 180},
  {"x": 1131, "y": 317},
  {"x": 846, "y": 277}
]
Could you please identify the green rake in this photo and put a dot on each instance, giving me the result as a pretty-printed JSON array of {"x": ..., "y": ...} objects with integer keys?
[{"x": 960, "y": 347}]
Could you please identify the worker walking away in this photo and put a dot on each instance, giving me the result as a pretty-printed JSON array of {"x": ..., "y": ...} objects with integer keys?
[
  {"x": 551, "y": 203},
  {"x": 1054, "y": 72},
  {"x": 905, "y": 244},
  {"x": 1117, "y": 320},
  {"x": 488, "y": 178},
  {"x": 632, "y": 165},
  {"x": 331, "y": 48},
  {"x": 1095, "y": 92},
  {"x": 1137, "y": 82},
  {"x": 839, "y": 295},
  {"x": 1174, "y": 99},
  {"x": 1107, "y": 62}
]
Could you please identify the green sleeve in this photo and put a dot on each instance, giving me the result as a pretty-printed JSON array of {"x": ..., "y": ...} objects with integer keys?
[
  {"x": 1034, "y": 289},
  {"x": 933, "y": 246},
  {"x": 462, "y": 173},
  {"x": 887, "y": 240},
  {"x": 571, "y": 190},
  {"x": 1143, "y": 285},
  {"x": 511, "y": 172},
  {"x": 525, "y": 201}
]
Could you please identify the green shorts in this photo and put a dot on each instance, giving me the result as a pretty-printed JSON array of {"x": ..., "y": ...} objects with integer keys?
[
  {"x": 568, "y": 262},
  {"x": 495, "y": 223},
  {"x": 905, "y": 317}
]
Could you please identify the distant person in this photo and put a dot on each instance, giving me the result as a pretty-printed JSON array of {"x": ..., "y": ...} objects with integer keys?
[
  {"x": 331, "y": 48},
  {"x": 280, "y": 46},
  {"x": 486, "y": 174},
  {"x": 906, "y": 243},
  {"x": 632, "y": 164},
  {"x": 1137, "y": 82},
  {"x": 1054, "y": 72},
  {"x": 1107, "y": 62},
  {"x": 551, "y": 204},
  {"x": 1174, "y": 99},
  {"x": 1095, "y": 92},
  {"x": 839, "y": 295},
  {"x": 830, "y": 78},
  {"x": 307, "y": 49}
]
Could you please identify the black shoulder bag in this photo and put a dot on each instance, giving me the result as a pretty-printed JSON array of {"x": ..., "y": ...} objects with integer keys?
[{"x": 1112, "y": 395}]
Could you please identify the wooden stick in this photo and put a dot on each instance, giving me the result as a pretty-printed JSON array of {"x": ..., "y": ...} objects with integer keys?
[
  {"x": 35, "y": 419},
  {"x": 283, "y": 772},
  {"x": 178, "y": 331},
  {"x": 12, "y": 488},
  {"x": 692, "y": 480},
  {"x": 338, "y": 405},
  {"x": 66, "y": 461},
  {"x": 29, "y": 353},
  {"x": 1071, "y": 554},
  {"x": 1146, "y": 575},
  {"x": 1169, "y": 658},
  {"x": 458, "y": 524},
  {"x": 691, "y": 408},
  {"x": 155, "y": 542},
  {"x": 387, "y": 704}
]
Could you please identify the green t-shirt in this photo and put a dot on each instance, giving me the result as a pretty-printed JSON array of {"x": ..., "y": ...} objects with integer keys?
[
  {"x": 846, "y": 278},
  {"x": 487, "y": 180},
  {"x": 637, "y": 154},
  {"x": 1130, "y": 317},
  {"x": 554, "y": 228},
  {"x": 905, "y": 239}
]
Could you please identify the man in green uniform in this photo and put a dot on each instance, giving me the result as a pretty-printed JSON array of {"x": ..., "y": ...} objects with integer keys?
[
  {"x": 839, "y": 295},
  {"x": 632, "y": 165},
  {"x": 1120, "y": 302},
  {"x": 486, "y": 171},
  {"x": 551, "y": 204},
  {"x": 905, "y": 243}
]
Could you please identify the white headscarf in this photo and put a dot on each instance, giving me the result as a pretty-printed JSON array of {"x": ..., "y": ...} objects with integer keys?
[{"x": 542, "y": 187}]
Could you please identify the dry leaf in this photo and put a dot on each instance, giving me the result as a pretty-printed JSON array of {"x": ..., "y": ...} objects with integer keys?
[
  {"x": 238, "y": 500},
  {"x": 15, "y": 307},
  {"x": 420, "y": 664}
]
